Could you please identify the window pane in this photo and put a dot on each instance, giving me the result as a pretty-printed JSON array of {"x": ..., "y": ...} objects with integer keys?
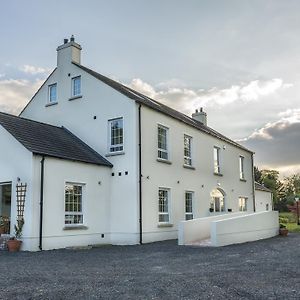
[
  {"x": 187, "y": 150},
  {"x": 163, "y": 206},
  {"x": 116, "y": 135},
  {"x": 73, "y": 204},
  {"x": 241, "y": 167},
  {"x": 53, "y": 93},
  {"x": 216, "y": 160},
  {"x": 76, "y": 88}
]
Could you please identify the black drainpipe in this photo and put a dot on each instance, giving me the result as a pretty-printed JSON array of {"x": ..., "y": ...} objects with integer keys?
[
  {"x": 253, "y": 182},
  {"x": 140, "y": 179},
  {"x": 41, "y": 203}
]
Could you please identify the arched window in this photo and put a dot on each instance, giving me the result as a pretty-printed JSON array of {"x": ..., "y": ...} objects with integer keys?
[{"x": 217, "y": 202}]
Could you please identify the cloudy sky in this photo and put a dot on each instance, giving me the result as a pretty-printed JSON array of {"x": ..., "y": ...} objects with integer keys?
[{"x": 240, "y": 60}]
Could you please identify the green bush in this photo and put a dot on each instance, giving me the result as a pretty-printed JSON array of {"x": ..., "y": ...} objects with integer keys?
[{"x": 283, "y": 220}]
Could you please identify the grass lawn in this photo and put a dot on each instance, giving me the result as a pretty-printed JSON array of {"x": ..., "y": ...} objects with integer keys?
[{"x": 291, "y": 224}]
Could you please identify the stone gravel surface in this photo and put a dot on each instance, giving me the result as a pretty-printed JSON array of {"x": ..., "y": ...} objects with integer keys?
[{"x": 268, "y": 269}]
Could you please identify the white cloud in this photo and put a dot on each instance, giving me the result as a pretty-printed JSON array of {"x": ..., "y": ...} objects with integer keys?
[
  {"x": 15, "y": 93},
  {"x": 187, "y": 100},
  {"x": 34, "y": 70}
]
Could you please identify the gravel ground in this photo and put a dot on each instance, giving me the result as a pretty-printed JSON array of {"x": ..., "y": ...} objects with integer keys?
[{"x": 268, "y": 269}]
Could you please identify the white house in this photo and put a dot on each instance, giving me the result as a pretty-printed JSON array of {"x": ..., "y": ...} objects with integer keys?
[
  {"x": 103, "y": 163},
  {"x": 263, "y": 198}
]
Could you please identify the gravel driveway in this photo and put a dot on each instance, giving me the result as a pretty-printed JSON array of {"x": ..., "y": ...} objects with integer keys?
[{"x": 268, "y": 269}]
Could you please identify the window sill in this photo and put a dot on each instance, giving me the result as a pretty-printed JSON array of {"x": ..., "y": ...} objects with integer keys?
[
  {"x": 218, "y": 174},
  {"x": 76, "y": 227},
  {"x": 115, "y": 153},
  {"x": 161, "y": 225},
  {"x": 75, "y": 97},
  {"x": 189, "y": 167},
  {"x": 243, "y": 179},
  {"x": 51, "y": 104},
  {"x": 165, "y": 161}
]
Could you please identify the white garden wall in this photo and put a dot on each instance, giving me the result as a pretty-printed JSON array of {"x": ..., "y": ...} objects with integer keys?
[
  {"x": 199, "y": 229},
  {"x": 246, "y": 228}
]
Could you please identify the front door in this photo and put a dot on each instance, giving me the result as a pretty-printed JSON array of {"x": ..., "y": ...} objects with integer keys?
[{"x": 5, "y": 206}]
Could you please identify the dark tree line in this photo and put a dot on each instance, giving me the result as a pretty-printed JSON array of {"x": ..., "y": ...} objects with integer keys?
[{"x": 284, "y": 191}]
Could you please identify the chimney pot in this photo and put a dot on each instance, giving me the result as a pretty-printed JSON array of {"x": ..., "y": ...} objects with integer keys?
[
  {"x": 72, "y": 39},
  {"x": 65, "y": 41},
  {"x": 200, "y": 116}
]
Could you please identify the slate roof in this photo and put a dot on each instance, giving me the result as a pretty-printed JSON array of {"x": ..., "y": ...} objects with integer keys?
[
  {"x": 147, "y": 101},
  {"x": 261, "y": 187},
  {"x": 44, "y": 139}
]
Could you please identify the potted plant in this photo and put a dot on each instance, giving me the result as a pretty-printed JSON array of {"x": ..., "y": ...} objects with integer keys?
[
  {"x": 283, "y": 230},
  {"x": 14, "y": 243}
]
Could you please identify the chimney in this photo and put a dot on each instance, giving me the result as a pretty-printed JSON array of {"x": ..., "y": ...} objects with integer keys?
[
  {"x": 67, "y": 52},
  {"x": 200, "y": 116}
]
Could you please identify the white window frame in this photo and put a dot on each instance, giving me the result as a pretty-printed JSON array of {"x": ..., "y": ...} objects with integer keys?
[
  {"x": 242, "y": 167},
  {"x": 73, "y": 86},
  {"x": 50, "y": 86},
  {"x": 189, "y": 215},
  {"x": 243, "y": 203},
  {"x": 115, "y": 146},
  {"x": 160, "y": 151},
  {"x": 217, "y": 160},
  {"x": 187, "y": 157},
  {"x": 163, "y": 213},
  {"x": 72, "y": 213}
]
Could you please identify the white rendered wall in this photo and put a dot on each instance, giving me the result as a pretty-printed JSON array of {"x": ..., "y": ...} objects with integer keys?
[
  {"x": 16, "y": 162},
  {"x": 200, "y": 228},
  {"x": 262, "y": 198},
  {"x": 96, "y": 204},
  {"x": 100, "y": 101},
  {"x": 178, "y": 179},
  {"x": 246, "y": 228}
]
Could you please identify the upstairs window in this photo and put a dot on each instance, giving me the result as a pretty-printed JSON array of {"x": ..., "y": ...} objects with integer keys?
[
  {"x": 73, "y": 204},
  {"x": 187, "y": 150},
  {"x": 242, "y": 204},
  {"x": 189, "y": 205},
  {"x": 217, "y": 160},
  {"x": 52, "y": 91},
  {"x": 162, "y": 136},
  {"x": 76, "y": 86},
  {"x": 163, "y": 205},
  {"x": 116, "y": 135},
  {"x": 241, "y": 161}
]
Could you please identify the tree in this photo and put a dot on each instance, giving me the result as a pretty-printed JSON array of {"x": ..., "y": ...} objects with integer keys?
[
  {"x": 257, "y": 175},
  {"x": 270, "y": 179}
]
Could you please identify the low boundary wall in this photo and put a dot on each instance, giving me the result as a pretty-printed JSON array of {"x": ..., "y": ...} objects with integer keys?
[
  {"x": 200, "y": 228},
  {"x": 241, "y": 229}
]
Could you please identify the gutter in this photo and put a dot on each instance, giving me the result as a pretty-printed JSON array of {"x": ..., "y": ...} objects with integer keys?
[
  {"x": 253, "y": 182},
  {"x": 140, "y": 176},
  {"x": 41, "y": 202}
]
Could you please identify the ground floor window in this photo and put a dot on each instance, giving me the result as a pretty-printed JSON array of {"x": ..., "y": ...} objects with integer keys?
[
  {"x": 217, "y": 202},
  {"x": 242, "y": 204},
  {"x": 267, "y": 206},
  {"x": 73, "y": 204},
  {"x": 163, "y": 205},
  {"x": 189, "y": 205},
  {"x": 5, "y": 207}
]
